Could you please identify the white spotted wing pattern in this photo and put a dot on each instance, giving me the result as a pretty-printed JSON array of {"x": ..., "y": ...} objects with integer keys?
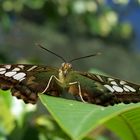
[
  {"x": 26, "y": 81},
  {"x": 14, "y": 73},
  {"x": 115, "y": 90}
]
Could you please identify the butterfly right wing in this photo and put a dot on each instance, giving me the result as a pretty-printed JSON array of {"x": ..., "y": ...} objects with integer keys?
[{"x": 110, "y": 91}]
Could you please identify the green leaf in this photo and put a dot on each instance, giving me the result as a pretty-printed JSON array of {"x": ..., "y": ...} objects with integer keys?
[
  {"x": 126, "y": 125},
  {"x": 6, "y": 117},
  {"x": 78, "y": 119},
  {"x": 5, "y": 96}
]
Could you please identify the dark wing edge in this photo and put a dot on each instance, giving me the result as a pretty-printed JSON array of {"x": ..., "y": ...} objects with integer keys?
[
  {"x": 116, "y": 90},
  {"x": 20, "y": 79}
]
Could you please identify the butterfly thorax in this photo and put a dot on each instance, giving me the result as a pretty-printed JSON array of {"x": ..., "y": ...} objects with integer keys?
[{"x": 63, "y": 72}]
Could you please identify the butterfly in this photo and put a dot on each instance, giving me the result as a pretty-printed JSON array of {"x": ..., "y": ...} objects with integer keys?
[{"x": 27, "y": 81}]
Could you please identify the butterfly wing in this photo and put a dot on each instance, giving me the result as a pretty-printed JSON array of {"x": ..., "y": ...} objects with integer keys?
[
  {"x": 26, "y": 81},
  {"x": 103, "y": 90}
]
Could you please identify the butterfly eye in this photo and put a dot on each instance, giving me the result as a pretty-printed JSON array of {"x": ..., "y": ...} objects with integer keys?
[
  {"x": 63, "y": 64},
  {"x": 70, "y": 66}
]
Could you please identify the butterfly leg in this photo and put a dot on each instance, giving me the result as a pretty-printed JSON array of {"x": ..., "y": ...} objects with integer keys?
[
  {"x": 79, "y": 90},
  {"x": 48, "y": 84}
]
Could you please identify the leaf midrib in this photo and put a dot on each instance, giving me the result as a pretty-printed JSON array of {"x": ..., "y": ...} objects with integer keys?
[{"x": 128, "y": 124}]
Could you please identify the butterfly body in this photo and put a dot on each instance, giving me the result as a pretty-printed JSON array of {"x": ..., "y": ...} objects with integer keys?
[{"x": 27, "y": 81}]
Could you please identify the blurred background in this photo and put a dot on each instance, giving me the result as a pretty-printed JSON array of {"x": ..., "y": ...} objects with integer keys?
[{"x": 71, "y": 28}]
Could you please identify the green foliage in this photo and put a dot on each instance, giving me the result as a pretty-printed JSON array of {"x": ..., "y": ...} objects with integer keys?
[
  {"x": 78, "y": 119},
  {"x": 20, "y": 121},
  {"x": 126, "y": 125},
  {"x": 6, "y": 117},
  {"x": 90, "y": 18}
]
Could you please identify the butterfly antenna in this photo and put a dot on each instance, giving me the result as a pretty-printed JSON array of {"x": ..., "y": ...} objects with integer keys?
[
  {"x": 51, "y": 52},
  {"x": 85, "y": 57}
]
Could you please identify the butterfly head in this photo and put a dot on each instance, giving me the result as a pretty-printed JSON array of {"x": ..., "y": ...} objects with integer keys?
[{"x": 65, "y": 68}]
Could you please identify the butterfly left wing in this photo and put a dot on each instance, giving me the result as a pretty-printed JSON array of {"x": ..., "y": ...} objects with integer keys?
[
  {"x": 103, "y": 90},
  {"x": 26, "y": 81}
]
